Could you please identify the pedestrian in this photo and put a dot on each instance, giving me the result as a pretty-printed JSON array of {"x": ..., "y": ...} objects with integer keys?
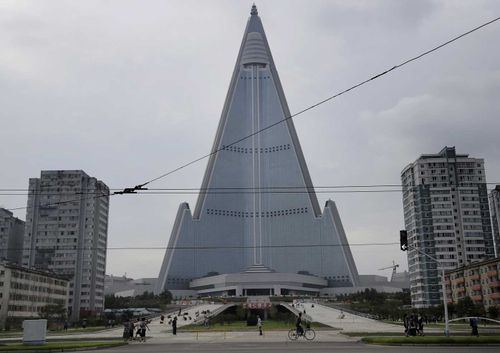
[
  {"x": 259, "y": 325},
  {"x": 143, "y": 325},
  {"x": 84, "y": 323},
  {"x": 473, "y": 325},
  {"x": 405, "y": 324},
  {"x": 174, "y": 325},
  {"x": 65, "y": 327},
  {"x": 130, "y": 329},
  {"x": 161, "y": 319},
  {"x": 126, "y": 330},
  {"x": 420, "y": 325},
  {"x": 137, "y": 328},
  {"x": 412, "y": 327}
]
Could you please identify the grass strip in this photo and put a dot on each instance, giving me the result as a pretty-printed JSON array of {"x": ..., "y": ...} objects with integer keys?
[
  {"x": 61, "y": 345},
  {"x": 432, "y": 340}
]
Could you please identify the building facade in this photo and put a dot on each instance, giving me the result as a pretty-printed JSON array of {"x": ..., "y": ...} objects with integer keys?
[
  {"x": 446, "y": 213},
  {"x": 495, "y": 217},
  {"x": 66, "y": 232},
  {"x": 260, "y": 208},
  {"x": 11, "y": 237},
  {"x": 25, "y": 292},
  {"x": 480, "y": 281}
]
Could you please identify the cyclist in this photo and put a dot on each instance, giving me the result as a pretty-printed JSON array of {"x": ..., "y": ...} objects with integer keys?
[{"x": 298, "y": 325}]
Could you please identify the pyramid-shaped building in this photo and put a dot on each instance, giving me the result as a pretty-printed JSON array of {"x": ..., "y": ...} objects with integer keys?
[{"x": 257, "y": 213}]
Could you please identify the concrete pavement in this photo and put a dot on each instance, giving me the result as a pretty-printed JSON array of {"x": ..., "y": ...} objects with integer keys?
[
  {"x": 288, "y": 347},
  {"x": 345, "y": 321}
]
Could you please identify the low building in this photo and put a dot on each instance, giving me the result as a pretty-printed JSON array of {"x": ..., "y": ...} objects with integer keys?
[
  {"x": 258, "y": 280},
  {"x": 480, "y": 281},
  {"x": 24, "y": 292}
]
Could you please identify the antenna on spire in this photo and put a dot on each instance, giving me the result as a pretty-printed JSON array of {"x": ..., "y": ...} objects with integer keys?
[{"x": 254, "y": 10}]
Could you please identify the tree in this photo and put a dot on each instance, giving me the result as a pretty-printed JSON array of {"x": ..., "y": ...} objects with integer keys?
[
  {"x": 53, "y": 312},
  {"x": 165, "y": 297},
  {"x": 493, "y": 312}
]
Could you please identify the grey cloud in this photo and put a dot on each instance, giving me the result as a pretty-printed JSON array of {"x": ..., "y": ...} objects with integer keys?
[{"x": 127, "y": 90}]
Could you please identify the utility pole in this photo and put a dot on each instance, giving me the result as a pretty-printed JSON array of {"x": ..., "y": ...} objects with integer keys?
[{"x": 404, "y": 247}]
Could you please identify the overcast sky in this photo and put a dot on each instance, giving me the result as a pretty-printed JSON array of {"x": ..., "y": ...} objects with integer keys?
[{"x": 127, "y": 90}]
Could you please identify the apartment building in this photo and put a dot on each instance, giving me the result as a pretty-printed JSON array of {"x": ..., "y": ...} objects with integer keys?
[
  {"x": 480, "y": 281},
  {"x": 495, "y": 217},
  {"x": 11, "y": 237},
  {"x": 66, "y": 232},
  {"x": 445, "y": 201},
  {"x": 24, "y": 292}
]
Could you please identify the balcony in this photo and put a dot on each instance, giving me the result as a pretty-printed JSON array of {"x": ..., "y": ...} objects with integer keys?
[
  {"x": 477, "y": 298},
  {"x": 460, "y": 290},
  {"x": 495, "y": 284},
  {"x": 474, "y": 277},
  {"x": 493, "y": 273},
  {"x": 459, "y": 280},
  {"x": 495, "y": 295},
  {"x": 476, "y": 287}
]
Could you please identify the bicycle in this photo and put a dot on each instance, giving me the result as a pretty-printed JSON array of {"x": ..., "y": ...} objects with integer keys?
[{"x": 308, "y": 333}]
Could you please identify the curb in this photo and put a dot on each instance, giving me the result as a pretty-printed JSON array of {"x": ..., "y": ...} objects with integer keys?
[{"x": 90, "y": 348}]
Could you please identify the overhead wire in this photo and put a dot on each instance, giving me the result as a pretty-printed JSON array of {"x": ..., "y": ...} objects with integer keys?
[
  {"x": 395, "y": 67},
  {"x": 214, "y": 247},
  {"x": 353, "y": 87}
]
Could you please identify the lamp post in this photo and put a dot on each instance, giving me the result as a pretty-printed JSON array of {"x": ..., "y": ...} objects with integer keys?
[{"x": 443, "y": 285}]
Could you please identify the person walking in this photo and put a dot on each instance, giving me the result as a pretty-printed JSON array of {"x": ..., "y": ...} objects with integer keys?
[
  {"x": 420, "y": 325},
  {"x": 405, "y": 324},
  {"x": 259, "y": 325},
  {"x": 143, "y": 325},
  {"x": 473, "y": 325},
  {"x": 137, "y": 327},
  {"x": 130, "y": 329},
  {"x": 126, "y": 330},
  {"x": 174, "y": 325}
]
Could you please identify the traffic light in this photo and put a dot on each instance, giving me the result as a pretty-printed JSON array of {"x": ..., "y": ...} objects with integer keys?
[{"x": 403, "y": 240}]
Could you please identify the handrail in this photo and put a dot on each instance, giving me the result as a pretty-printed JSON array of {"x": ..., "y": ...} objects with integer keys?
[{"x": 475, "y": 317}]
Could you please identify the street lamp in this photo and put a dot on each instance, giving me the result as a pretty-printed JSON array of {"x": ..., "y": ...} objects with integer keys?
[{"x": 404, "y": 247}]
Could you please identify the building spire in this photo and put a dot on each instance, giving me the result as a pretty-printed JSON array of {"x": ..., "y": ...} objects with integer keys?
[{"x": 254, "y": 10}]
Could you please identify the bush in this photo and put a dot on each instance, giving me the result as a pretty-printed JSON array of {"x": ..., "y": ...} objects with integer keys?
[{"x": 252, "y": 320}]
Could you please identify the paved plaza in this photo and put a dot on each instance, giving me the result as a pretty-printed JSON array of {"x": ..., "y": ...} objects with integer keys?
[{"x": 345, "y": 321}]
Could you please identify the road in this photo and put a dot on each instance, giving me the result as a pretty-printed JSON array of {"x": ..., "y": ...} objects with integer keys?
[{"x": 288, "y": 347}]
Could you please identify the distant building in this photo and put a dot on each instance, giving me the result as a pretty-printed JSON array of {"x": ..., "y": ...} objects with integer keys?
[
  {"x": 401, "y": 280},
  {"x": 128, "y": 287},
  {"x": 11, "y": 237},
  {"x": 446, "y": 212},
  {"x": 24, "y": 292},
  {"x": 66, "y": 232},
  {"x": 480, "y": 281},
  {"x": 495, "y": 217}
]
